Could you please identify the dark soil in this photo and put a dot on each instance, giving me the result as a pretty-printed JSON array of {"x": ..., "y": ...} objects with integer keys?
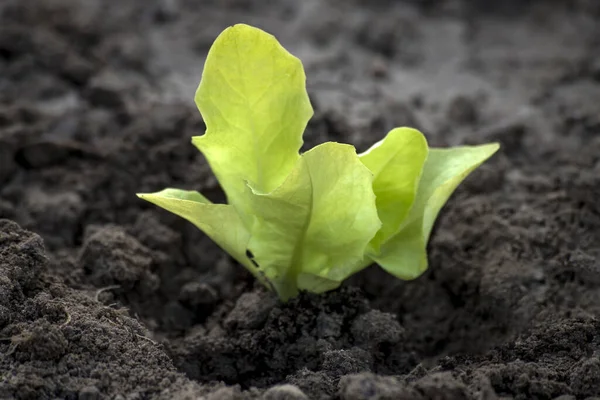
[{"x": 103, "y": 296}]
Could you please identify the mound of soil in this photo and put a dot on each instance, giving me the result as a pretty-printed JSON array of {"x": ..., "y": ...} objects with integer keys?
[{"x": 103, "y": 296}]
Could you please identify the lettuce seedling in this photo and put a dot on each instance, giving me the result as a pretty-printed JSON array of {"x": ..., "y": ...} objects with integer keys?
[{"x": 307, "y": 221}]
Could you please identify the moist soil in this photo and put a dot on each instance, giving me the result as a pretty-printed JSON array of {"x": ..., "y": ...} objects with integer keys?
[{"x": 103, "y": 296}]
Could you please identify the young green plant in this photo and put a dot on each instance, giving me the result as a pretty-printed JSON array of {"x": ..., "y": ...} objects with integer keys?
[{"x": 307, "y": 221}]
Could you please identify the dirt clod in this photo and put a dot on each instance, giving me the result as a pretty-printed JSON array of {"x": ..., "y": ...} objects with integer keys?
[{"x": 284, "y": 392}]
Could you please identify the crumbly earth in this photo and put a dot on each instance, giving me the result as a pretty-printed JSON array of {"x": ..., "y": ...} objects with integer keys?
[{"x": 103, "y": 296}]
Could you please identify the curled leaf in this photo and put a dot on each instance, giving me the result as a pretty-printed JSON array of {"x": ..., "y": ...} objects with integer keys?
[
  {"x": 318, "y": 222},
  {"x": 397, "y": 163},
  {"x": 254, "y": 103},
  {"x": 404, "y": 255}
]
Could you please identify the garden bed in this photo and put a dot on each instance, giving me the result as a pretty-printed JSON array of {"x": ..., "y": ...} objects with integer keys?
[{"x": 104, "y": 296}]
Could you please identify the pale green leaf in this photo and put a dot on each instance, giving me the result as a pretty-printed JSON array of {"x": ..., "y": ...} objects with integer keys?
[
  {"x": 253, "y": 99},
  {"x": 220, "y": 222},
  {"x": 319, "y": 221},
  {"x": 316, "y": 284},
  {"x": 404, "y": 255},
  {"x": 396, "y": 162}
]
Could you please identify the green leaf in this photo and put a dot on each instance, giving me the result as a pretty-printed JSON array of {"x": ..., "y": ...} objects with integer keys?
[
  {"x": 318, "y": 222},
  {"x": 396, "y": 162},
  {"x": 404, "y": 255},
  {"x": 316, "y": 284},
  {"x": 253, "y": 100},
  {"x": 220, "y": 222}
]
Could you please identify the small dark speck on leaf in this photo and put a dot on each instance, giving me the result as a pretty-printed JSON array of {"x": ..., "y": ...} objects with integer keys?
[{"x": 251, "y": 257}]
